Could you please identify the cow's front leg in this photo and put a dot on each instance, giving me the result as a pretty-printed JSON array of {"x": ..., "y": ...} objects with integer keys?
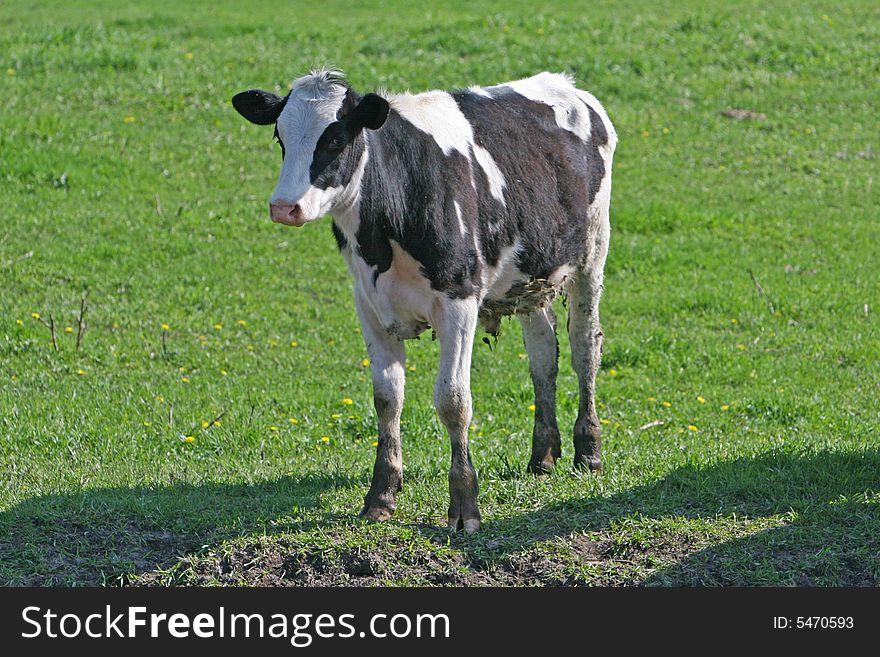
[
  {"x": 455, "y": 324},
  {"x": 387, "y": 364}
]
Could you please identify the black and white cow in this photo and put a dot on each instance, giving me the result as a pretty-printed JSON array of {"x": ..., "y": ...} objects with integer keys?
[{"x": 452, "y": 208}]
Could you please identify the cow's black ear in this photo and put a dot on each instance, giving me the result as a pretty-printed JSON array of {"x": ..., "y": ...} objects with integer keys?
[
  {"x": 258, "y": 106},
  {"x": 370, "y": 113}
]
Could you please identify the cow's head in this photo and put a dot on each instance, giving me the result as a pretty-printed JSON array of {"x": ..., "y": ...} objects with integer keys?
[{"x": 318, "y": 125}]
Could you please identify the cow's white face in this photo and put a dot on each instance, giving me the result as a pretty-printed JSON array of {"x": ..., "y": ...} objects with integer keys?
[{"x": 318, "y": 126}]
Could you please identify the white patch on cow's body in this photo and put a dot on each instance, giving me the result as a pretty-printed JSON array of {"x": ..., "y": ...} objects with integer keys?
[
  {"x": 557, "y": 91},
  {"x": 461, "y": 225},
  {"x": 493, "y": 173},
  {"x": 437, "y": 114},
  {"x": 608, "y": 149},
  {"x": 479, "y": 91},
  {"x": 498, "y": 280}
]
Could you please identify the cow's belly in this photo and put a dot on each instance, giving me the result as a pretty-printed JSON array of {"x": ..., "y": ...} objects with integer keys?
[
  {"x": 510, "y": 291},
  {"x": 404, "y": 301}
]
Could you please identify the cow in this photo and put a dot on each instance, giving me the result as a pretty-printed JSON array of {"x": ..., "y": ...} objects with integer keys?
[{"x": 453, "y": 209}]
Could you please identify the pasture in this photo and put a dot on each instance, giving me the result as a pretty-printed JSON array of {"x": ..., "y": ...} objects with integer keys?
[{"x": 216, "y": 424}]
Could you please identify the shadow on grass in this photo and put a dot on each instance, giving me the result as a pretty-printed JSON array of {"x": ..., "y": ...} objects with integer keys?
[
  {"x": 105, "y": 536},
  {"x": 704, "y": 520},
  {"x": 829, "y": 532}
]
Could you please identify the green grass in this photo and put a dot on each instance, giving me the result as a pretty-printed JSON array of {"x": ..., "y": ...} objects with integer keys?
[{"x": 741, "y": 305}]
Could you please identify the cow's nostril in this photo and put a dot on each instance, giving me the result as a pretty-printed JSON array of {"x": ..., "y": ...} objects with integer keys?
[{"x": 289, "y": 214}]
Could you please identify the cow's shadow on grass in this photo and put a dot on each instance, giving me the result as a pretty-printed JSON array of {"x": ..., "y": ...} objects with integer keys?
[
  {"x": 697, "y": 525},
  {"x": 105, "y": 536},
  {"x": 779, "y": 518}
]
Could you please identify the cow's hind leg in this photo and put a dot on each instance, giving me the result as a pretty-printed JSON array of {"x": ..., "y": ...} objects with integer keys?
[
  {"x": 456, "y": 324},
  {"x": 387, "y": 363},
  {"x": 585, "y": 333},
  {"x": 539, "y": 336}
]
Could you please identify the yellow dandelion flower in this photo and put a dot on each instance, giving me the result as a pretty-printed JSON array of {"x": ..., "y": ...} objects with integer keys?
[
  {"x": 605, "y": 422},
  {"x": 365, "y": 362},
  {"x": 181, "y": 369},
  {"x": 129, "y": 119},
  {"x": 375, "y": 443},
  {"x": 218, "y": 327},
  {"x": 273, "y": 344},
  {"x": 242, "y": 322},
  {"x": 734, "y": 320},
  {"x": 521, "y": 355},
  {"x": 532, "y": 408},
  {"x": 691, "y": 427},
  {"x": 294, "y": 344},
  {"x": 347, "y": 401},
  {"x": 665, "y": 131},
  {"x": 325, "y": 439},
  {"x": 411, "y": 368},
  {"x": 81, "y": 372},
  {"x": 68, "y": 329},
  {"x": 725, "y": 407},
  {"x": 115, "y": 325},
  {"x": 165, "y": 327},
  {"x": 189, "y": 439},
  {"x": 293, "y": 420},
  {"x": 224, "y": 372},
  {"x": 667, "y": 404},
  {"x": 336, "y": 416},
  {"x": 612, "y": 372},
  {"x": 352, "y": 417},
  {"x": 652, "y": 399},
  {"x": 205, "y": 424},
  {"x": 160, "y": 398},
  {"x": 35, "y": 315},
  {"x": 148, "y": 424},
  {"x": 184, "y": 379},
  {"x": 701, "y": 399},
  {"x": 273, "y": 428},
  {"x": 19, "y": 322}
]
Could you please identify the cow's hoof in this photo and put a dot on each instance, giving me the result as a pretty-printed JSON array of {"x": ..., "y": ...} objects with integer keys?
[
  {"x": 543, "y": 468},
  {"x": 376, "y": 513},
  {"x": 464, "y": 515},
  {"x": 588, "y": 464},
  {"x": 470, "y": 525}
]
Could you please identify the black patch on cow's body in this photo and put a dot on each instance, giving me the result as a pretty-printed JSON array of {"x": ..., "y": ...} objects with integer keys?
[
  {"x": 408, "y": 195},
  {"x": 551, "y": 175}
]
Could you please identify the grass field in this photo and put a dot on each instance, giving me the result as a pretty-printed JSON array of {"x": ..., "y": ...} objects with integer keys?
[{"x": 741, "y": 306}]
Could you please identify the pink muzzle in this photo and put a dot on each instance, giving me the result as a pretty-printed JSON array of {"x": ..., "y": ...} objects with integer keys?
[{"x": 289, "y": 215}]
